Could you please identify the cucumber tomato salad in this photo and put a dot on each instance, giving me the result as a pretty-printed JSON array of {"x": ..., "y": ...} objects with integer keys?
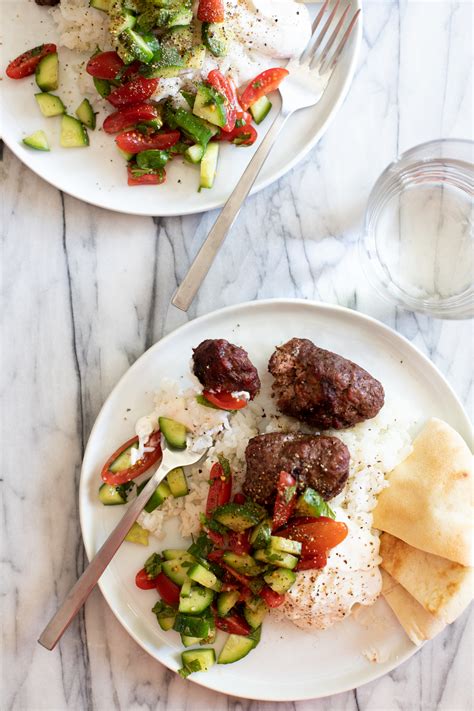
[
  {"x": 244, "y": 559},
  {"x": 153, "y": 43}
]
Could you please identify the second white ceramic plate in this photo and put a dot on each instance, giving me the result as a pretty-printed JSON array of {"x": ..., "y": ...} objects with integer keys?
[{"x": 289, "y": 663}]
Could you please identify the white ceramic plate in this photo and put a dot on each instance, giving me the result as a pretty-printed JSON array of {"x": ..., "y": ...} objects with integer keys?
[
  {"x": 289, "y": 663},
  {"x": 97, "y": 174}
]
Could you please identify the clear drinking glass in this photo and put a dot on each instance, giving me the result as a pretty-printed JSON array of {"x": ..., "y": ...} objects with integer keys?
[{"x": 418, "y": 244}]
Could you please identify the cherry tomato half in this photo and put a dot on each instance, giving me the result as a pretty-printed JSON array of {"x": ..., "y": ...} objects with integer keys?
[
  {"x": 240, "y": 136},
  {"x": 157, "y": 178},
  {"x": 148, "y": 459},
  {"x": 135, "y": 91},
  {"x": 285, "y": 499},
  {"x": 233, "y": 624},
  {"x": 105, "y": 65},
  {"x": 316, "y": 537},
  {"x": 221, "y": 84},
  {"x": 143, "y": 581},
  {"x": 239, "y": 542},
  {"x": 220, "y": 488},
  {"x": 168, "y": 591},
  {"x": 134, "y": 141},
  {"x": 272, "y": 598},
  {"x": 315, "y": 562},
  {"x": 263, "y": 84},
  {"x": 129, "y": 116},
  {"x": 225, "y": 401},
  {"x": 26, "y": 63},
  {"x": 211, "y": 11}
]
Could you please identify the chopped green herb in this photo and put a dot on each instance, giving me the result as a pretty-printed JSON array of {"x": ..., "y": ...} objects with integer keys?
[{"x": 153, "y": 565}]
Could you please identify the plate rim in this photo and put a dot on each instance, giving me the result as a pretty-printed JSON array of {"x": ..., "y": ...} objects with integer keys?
[
  {"x": 379, "y": 669},
  {"x": 16, "y": 148}
]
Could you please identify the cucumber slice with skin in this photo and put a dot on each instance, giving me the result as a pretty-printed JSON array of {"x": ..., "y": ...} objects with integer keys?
[
  {"x": 280, "y": 580},
  {"x": 196, "y": 602},
  {"x": 47, "y": 72},
  {"x": 261, "y": 534},
  {"x": 166, "y": 623},
  {"x": 37, "y": 140},
  {"x": 310, "y": 503},
  {"x": 123, "y": 461},
  {"x": 136, "y": 45},
  {"x": 192, "y": 625},
  {"x": 180, "y": 553},
  {"x": 239, "y": 517},
  {"x": 285, "y": 545},
  {"x": 204, "y": 577},
  {"x": 173, "y": 432},
  {"x": 189, "y": 641},
  {"x": 120, "y": 20},
  {"x": 192, "y": 126},
  {"x": 103, "y": 87},
  {"x": 186, "y": 588},
  {"x": 276, "y": 558},
  {"x": 210, "y": 105},
  {"x": 209, "y": 166},
  {"x": 189, "y": 97},
  {"x": 103, "y": 5},
  {"x": 194, "y": 660},
  {"x": 194, "y": 58},
  {"x": 260, "y": 109},
  {"x": 73, "y": 133},
  {"x": 161, "y": 493},
  {"x": 49, "y": 104},
  {"x": 111, "y": 495},
  {"x": 214, "y": 37},
  {"x": 236, "y": 647},
  {"x": 255, "y": 612},
  {"x": 226, "y": 601},
  {"x": 177, "y": 483},
  {"x": 137, "y": 534},
  {"x": 175, "y": 571},
  {"x": 244, "y": 564},
  {"x": 194, "y": 154},
  {"x": 85, "y": 113}
]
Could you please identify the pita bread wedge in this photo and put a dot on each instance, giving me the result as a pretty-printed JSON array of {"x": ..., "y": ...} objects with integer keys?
[
  {"x": 429, "y": 500},
  {"x": 419, "y": 624},
  {"x": 443, "y": 588}
]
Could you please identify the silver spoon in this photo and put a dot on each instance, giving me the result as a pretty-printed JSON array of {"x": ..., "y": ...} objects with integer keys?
[{"x": 77, "y": 596}]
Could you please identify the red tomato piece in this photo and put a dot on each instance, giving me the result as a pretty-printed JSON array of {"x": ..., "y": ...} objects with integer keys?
[
  {"x": 240, "y": 136},
  {"x": 316, "y": 561},
  {"x": 298, "y": 520},
  {"x": 131, "y": 70},
  {"x": 129, "y": 116},
  {"x": 220, "y": 488},
  {"x": 168, "y": 591},
  {"x": 241, "y": 115},
  {"x": 233, "y": 624},
  {"x": 245, "y": 594},
  {"x": 264, "y": 83},
  {"x": 243, "y": 580},
  {"x": 221, "y": 84},
  {"x": 215, "y": 556},
  {"x": 272, "y": 598},
  {"x": 133, "y": 92},
  {"x": 26, "y": 63},
  {"x": 285, "y": 500},
  {"x": 147, "y": 460},
  {"x": 239, "y": 542},
  {"x": 216, "y": 538},
  {"x": 240, "y": 498},
  {"x": 225, "y": 401},
  {"x": 143, "y": 581},
  {"x": 134, "y": 141},
  {"x": 211, "y": 11},
  {"x": 105, "y": 65},
  {"x": 146, "y": 178},
  {"x": 316, "y": 537}
]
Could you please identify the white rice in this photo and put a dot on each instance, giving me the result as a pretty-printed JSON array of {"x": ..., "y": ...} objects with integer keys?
[{"x": 81, "y": 27}]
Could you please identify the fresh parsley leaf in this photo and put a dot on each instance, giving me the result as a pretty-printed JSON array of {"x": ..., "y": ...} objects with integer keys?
[{"x": 153, "y": 565}]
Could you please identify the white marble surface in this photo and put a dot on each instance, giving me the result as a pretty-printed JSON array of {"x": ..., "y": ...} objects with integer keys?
[{"x": 85, "y": 292}]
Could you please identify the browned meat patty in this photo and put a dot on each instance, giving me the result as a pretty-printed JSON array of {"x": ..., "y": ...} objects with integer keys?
[
  {"x": 221, "y": 366},
  {"x": 314, "y": 460},
  {"x": 322, "y": 388}
]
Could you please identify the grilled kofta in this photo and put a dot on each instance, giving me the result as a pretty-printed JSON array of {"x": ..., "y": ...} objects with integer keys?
[
  {"x": 322, "y": 388},
  {"x": 314, "y": 460},
  {"x": 223, "y": 367}
]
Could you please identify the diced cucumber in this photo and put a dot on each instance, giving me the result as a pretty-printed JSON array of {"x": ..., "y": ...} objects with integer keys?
[
  {"x": 210, "y": 105},
  {"x": 186, "y": 588},
  {"x": 189, "y": 97},
  {"x": 239, "y": 517},
  {"x": 175, "y": 571},
  {"x": 214, "y": 36},
  {"x": 37, "y": 140},
  {"x": 285, "y": 545},
  {"x": 244, "y": 564},
  {"x": 85, "y": 113},
  {"x": 177, "y": 482},
  {"x": 137, "y": 534},
  {"x": 125, "y": 155},
  {"x": 180, "y": 38},
  {"x": 194, "y": 660},
  {"x": 226, "y": 601},
  {"x": 165, "y": 614},
  {"x": 136, "y": 45},
  {"x": 197, "y": 601},
  {"x": 102, "y": 86},
  {"x": 47, "y": 72},
  {"x": 49, "y": 104},
  {"x": 209, "y": 166},
  {"x": 194, "y": 154},
  {"x": 123, "y": 461},
  {"x": 173, "y": 432},
  {"x": 204, "y": 577},
  {"x": 168, "y": 17},
  {"x": 166, "y": 623},
  {"x": 193, "y": 626},
  {"x": 280, "y": 580},
  {"x": 255, "y": 611},
  {"x": 310, "y": 503},
  {"x": 211, "y": 637},
  {"x": 161, "y": 493},
  {"x": 103, "y": 5},
  {"x": 194, "y": 127},
  {"x": 112, "y": 495},
  {"x": 276, "y": 558},
  {"x": 180, "y": 553},
  {"x": 194, "y": 57},
  {"x": 236, "y": 647},
  {"x": 260, "y": 109},
  {"x": 189, "y": 641},
  {"x": 73, "y": 133},
  {"x": 261, "y": 534},
  {"x": 120, "y": 20}
]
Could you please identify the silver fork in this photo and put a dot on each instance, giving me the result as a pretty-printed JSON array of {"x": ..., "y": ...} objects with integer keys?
[
  {"x": 79, "y": 593},
  {"x": 303, "y": 87}
]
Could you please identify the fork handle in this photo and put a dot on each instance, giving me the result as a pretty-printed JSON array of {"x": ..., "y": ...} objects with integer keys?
[
  {"x": 211, "y": 245},
  {"x": 79, "y": 593}
]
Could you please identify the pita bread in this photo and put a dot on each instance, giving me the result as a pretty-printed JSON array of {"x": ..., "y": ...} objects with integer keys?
[
  {"x": 443, "y": 588},
  {"x": 419, "y": 624},
  {"x": 429, "y": 500}
]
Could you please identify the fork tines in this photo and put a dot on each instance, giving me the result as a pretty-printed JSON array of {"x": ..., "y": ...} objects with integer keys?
[{"x": 318, "y": 53}]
